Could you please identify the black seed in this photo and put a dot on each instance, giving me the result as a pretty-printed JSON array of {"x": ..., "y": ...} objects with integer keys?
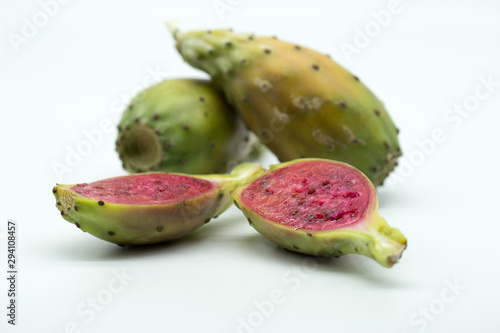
[
  {"x": 249, "y": 221},
  {"x": 168, "y": 145},
  {"x": 157, "y": 132},
  {"x": 340, "y": 251},
  {"x": 120, "y": 245},
  {"x": 136, "y": 119},
  {"x": 127, "y": 128},
  {"x": 156, "y": 116},
  {"x": 119, "y": 128},
  {"x": 211, "y": 51},
  {"x": 374, "y": 169},
  {"x": 186, "y": 127},
  {"x": 229, "y": 71},
  {"x": 355, "y": 249},
  {"x": 221, "y": 195},
  {"x": 201, "y": 99},
  {"x": 267, "y": 51},
  {"x": 397, "y": 130},
  {"x": 229, "y": 44},
  {"x": 315, "y": 67},
  {"x": 62, "y": 212},
  {"x": 68, "y": 209},
  {"x": 212, "y": 144},
  {"x": 111, "y": 233},
  {"x": 311, "y": 191},
  {"x": 309, "y": 234},
  {"x": 100, "y": 203},
  {"x": 77, "y": 225},
  {"x": 387, "y": 145},
  {"x": 295, "y": 247},
  {"x": 206, "y": 221},
  {"x": 297, "y": 47},
  {"x": 377, "y": 112},
  {"x": 245, "y": 99},
  {"x": 54, "y": 189},
  {"x": 355, "y": 77},
  {"x": 58, "y": 203},
  {"x": 130, "y": 106},
  {"x": 343, "y": 104},
  {"x": 159, "y": 229},
  {"x": 250, "y": 37}
]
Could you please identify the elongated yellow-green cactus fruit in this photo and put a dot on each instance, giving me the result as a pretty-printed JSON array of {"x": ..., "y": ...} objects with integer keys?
[{"x": 298, "y": 101}]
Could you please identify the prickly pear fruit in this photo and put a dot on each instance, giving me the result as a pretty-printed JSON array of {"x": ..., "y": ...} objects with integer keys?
[
  {"x": 299, "y": 102},
  {"x": 320, "y": 207},
  {"x": 183, "y": 125},
  {"x": 149, "y": 208}
]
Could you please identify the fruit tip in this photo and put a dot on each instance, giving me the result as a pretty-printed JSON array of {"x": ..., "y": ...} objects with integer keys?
[{"x": 173, "y": 27}]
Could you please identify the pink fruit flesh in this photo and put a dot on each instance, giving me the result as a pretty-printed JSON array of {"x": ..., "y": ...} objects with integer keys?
[
  {"x": 144, "y": 189},
  {"x": 312, "y": 195}
]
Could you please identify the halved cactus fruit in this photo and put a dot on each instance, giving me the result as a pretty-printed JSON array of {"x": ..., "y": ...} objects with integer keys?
[
  {"x": 322, "y": 208},
  {"x": 149, "y": 208}
]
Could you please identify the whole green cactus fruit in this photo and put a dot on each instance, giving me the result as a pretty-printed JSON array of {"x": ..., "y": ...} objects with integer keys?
[
  {"x": 320, "y": 207},
  {"x": 183, "y": 125},
  {"x": 298, "y": 101},
  {"x": 149, "y": 208}
]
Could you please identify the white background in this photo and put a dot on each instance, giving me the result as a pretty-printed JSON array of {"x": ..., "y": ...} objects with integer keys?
[{"x": 90, "y": 57}]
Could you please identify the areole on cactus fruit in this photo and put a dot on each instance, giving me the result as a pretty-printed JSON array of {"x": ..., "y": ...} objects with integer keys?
[
  {"x": 320, "y": 207},
  {"x": 149, "y": 208},
  {"x": 298, "y": 101},
  {"x": 183, "y": 125}
]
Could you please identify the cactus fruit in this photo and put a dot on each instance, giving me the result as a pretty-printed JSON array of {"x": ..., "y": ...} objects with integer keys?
[
  {"x": 298, "y": 101},
  {"x": 149, "y": 208},
  {"x": 320, "y": 207},
  {"x": 183, "y": 125}
]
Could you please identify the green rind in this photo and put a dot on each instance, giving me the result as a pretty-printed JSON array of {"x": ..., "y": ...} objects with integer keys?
[
  {"x": 371, "y": 236},
  {"x": 148, "y": 224},
  {"x": 183, "y": 125},
  {"x": 298, "y": 101}
]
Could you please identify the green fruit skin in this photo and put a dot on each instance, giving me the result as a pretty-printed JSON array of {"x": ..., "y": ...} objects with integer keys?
[
  {"x": 371, "y": 236},
  {"x": 148, "y": 224},
  {"x": 183, "y": 125},
  {"x": 299, "y": 102}
]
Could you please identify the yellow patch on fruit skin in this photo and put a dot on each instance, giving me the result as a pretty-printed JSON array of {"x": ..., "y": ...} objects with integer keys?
[
  {"x": 302, "y": 103},
  {"x": 263, "y": 85}
]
